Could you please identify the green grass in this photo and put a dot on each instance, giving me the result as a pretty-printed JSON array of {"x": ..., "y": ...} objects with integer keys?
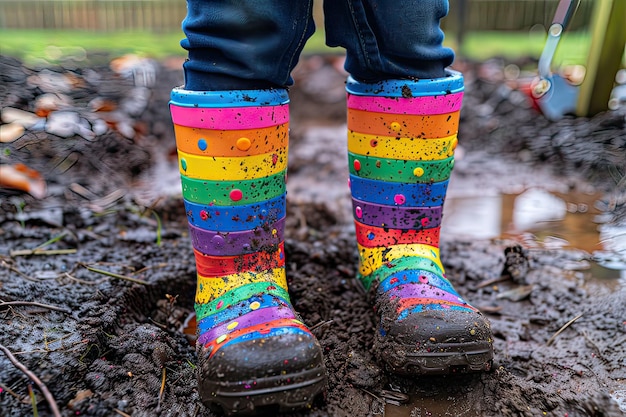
[
  {"x": 573, "y": 47},
  {"x": 34, "y": 46}
]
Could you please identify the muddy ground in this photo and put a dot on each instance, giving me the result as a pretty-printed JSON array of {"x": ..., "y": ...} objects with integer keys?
[{"x": 107, "y": 339}]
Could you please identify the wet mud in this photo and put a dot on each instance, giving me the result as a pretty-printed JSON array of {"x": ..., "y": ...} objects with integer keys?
[{"x": 97, "y": 279}]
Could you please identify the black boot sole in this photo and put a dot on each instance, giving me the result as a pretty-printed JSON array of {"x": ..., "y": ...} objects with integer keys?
[
  {"x": 265, "y": 396},
  {"x": 441, "y": 359}
]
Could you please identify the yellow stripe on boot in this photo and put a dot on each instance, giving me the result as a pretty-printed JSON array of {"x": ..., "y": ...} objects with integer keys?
[
  {"x": 413, "y": 149},
  {"x": 210, "y": 288},
  {"x": 234, "y": 168},
  {"x": 373, "y": 258}
]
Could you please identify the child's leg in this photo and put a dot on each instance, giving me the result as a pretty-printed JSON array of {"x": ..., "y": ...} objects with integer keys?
[
  {"x": 252, "y": 348},
  {"x": 231, "y": 122},
  {"x": 403, "y": 113},
  {"x": 401, "y": 141}
]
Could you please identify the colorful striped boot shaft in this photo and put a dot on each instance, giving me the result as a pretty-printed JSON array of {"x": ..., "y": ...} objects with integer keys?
[
  {"x": 401, "y": 140},
  {"x": 253, "y": 350}
]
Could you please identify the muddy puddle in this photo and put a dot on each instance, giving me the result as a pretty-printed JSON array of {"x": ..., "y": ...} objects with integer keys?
[{"x": 538, "y": 218}]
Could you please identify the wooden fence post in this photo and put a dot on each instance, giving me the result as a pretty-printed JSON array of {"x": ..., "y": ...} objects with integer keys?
[{"x": 608, "y": 37}]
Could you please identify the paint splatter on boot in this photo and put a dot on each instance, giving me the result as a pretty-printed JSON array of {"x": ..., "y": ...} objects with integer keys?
[
  {"x": 254, "y": 352},
  {"x": 401, "y": 141}
]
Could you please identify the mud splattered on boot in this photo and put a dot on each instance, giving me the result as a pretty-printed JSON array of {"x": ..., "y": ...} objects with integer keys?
[
  {"x": 401, "y": 141},
  {"x": 254, "y": 353}
]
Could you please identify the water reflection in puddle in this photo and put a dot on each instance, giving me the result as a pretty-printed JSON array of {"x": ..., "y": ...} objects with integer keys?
[
  {"x": 538, "y": 219},
  {"x": 440, "y": 405},
  {"x": 543, "y": 220}
]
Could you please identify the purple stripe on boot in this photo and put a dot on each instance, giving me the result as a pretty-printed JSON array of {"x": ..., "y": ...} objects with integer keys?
[
  {"x": 236, "y": 243},
  {"x": 252, "y": 318},
  {"x": 414, "y": 218}
]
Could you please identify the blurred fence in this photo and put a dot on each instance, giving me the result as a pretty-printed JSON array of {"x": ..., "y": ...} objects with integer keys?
[
  {"x": 93, "y": 15},
  {"x": 166, "y": 15}
]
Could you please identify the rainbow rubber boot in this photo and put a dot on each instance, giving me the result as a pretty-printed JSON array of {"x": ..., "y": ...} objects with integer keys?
[
  {"x": 254, "y": 352},
  {"x": 401, "y": 140}
]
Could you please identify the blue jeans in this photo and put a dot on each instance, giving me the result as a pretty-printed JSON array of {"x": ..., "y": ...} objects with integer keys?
[{"x": 254, "y": 44}]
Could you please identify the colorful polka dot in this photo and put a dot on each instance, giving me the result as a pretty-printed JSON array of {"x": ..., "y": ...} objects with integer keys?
[
  {"x": 399, "y": 199},
  {"x": 243, "y": 144},
  {"x": 425, "y": 222},
  {"x": 232, "y": 325},
  {"x": 255, "y": 305},
  {"x": 236, "y": 194},
  {"x": 221, "y": 338},
  {"x": 202, "y": 145},
  {"x": 374, "y": 143},
  {"x": 357, "y": 165},
  {"x": 395, "y": 126},
  {"x": 371, "y": 235},
  {"x": 418, "y": 172},
  {"x": 217, "y": 240},
  {"x": 183, "y": 164},
  {"x": 359, "y": 212},
  {"x": 204, "y": 215}
]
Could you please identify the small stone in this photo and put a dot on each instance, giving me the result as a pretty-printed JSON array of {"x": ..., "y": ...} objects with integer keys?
[
  {"x": 11, "y": 132},
  {"x": 63, "y": 123},
  {"x": 50, "y": 102},
  {"x": 136, "y": 101},
  {"x": 99, "y": 127},
  {"x": 21, "y": 117},
  {"x": 21, "y": 177},
  {"x": 51, "y": 82}
]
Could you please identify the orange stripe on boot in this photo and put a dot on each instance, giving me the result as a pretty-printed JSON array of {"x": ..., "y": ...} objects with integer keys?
[
  {"x": 198, "y": 141},
  {"x": 415, "y": 126}
]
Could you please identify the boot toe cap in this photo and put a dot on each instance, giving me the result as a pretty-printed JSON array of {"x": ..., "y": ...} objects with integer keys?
[
  {"x": 284, "y": 370},
  {"x": 436, "y": 342}
]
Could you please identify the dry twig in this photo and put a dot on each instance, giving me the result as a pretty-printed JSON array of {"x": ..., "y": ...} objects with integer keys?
[
  {"x": 565, "y": 326},
  {"x": 34, "y": 304},
  {"x": 158, "y": 408},
  {"x": 28, "y": 252},
  {"x": 114, "y": 275},
  {"x": 44, "y": 390}
]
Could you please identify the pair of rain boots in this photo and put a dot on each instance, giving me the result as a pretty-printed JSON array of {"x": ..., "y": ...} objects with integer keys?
[{"x": 254, "y": 352}]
